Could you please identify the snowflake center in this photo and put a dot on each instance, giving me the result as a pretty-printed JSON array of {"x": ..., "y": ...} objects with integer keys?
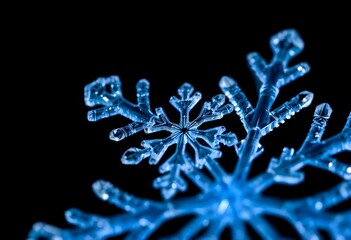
[{"x": 184, "y": 130}]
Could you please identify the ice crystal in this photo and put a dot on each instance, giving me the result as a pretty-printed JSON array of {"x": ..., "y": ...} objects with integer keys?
[
  {"x": 107, "y": 92},
  {"x": 227, "y": 200}
]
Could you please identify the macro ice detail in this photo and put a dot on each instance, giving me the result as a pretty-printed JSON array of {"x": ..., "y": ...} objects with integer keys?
[
  {"x": 227, "y": 200},
  {"x": 107, "y": 92}
]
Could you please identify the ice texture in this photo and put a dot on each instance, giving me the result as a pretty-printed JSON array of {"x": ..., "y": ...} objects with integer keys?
[{"x": 226, "y": 200}]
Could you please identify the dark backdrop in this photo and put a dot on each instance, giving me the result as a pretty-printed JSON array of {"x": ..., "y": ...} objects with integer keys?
[{"x": 57, "y": 154}]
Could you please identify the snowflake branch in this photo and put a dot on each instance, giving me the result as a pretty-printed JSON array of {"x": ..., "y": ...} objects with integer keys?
[
  {"x": 308, "y": 214},
  {"x": 108, "y": 92},
  {"x": 313, "y": 152},
  {"x": 285, "y": 45}
]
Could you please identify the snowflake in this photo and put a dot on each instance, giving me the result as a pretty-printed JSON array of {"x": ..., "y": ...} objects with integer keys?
[
  {"x": 227, "y": 200},
  {"x": 107, "y": 91}
]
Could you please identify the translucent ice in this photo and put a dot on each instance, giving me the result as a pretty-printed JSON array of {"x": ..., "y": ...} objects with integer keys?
[{"x": 227, "y": 200}]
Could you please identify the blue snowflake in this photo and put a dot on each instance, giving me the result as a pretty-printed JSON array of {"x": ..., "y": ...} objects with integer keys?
[
  {"x": 226, "y": 200},
  {"x": 107, "y": 92}
]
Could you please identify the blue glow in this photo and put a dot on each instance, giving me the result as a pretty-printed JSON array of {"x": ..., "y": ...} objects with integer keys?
[{"x": 226, "y": 199}]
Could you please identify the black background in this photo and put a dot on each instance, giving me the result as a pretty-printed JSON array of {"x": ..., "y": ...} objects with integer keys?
[{"x": 56, "y": 154}]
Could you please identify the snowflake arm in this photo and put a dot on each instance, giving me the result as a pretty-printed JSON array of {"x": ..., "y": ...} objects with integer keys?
[
  {"x": 142, "y": 218},
  {"x": 313, "y": 152},
  {"x": 307, "y": 215},
  {"x": 172, "y": 181},
  {"x": 310, "y": 213},
  {"x": 285, "y": 45},
  {"x": 245, "y": 110},
  {"x": 108, "y": 92}
]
